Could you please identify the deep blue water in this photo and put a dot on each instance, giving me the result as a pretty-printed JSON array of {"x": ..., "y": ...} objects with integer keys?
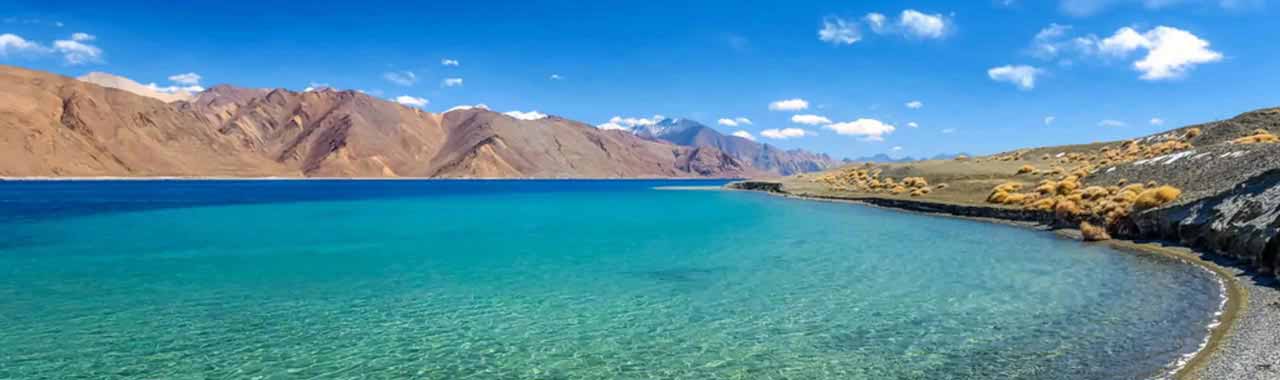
[{"x": 559, "y": 280}]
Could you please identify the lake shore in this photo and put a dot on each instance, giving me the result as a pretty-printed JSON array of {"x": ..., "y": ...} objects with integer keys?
[{"x": 1238, "y": 341}]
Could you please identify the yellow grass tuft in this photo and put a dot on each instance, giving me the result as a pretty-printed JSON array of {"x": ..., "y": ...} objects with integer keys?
[
  {"x": 1066, "y": 210},
  {"x": 1093, "y": 233},
  {"x": 1260, "y": 136},
  {"x": 1025, "y": 169},
  {"x": 1191, "y": 134},
  {"x": 1156, "y": 197}
]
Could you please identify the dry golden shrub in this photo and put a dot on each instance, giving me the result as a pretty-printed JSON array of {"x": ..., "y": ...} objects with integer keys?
[
  {"x": 1025, "y": 169},
  {"x": 1156, "y": 197},
  {"x": 1093, "y": 233}
]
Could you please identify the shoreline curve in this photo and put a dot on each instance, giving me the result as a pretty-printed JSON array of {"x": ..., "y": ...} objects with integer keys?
[{"x": 1236, "y": 295}]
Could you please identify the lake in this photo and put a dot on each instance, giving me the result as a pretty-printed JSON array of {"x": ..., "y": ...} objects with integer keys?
[{"x": 560, "y": 280}]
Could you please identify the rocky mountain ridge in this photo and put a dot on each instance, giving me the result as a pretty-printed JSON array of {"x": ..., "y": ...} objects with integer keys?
[{"x": 54, "y": 126}]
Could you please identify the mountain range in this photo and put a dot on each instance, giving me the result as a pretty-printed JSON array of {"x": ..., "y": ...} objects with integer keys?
[{"x": 105, "y": 125}]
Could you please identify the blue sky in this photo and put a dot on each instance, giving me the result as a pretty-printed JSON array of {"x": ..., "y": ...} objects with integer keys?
[{"x": 1100, "y": 70}]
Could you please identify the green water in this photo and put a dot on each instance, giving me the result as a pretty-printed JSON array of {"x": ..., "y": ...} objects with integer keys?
[{"x": 553, "y": 281}]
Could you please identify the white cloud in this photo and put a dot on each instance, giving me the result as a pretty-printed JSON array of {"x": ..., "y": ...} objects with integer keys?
[
  {"x": 877, "y": 22},
  {"x": 402, "y": 78},
  {"x": 896, "y": 148},
  {"x": 171, "y": 89},
  {"x": 1157, "y": 121},
  {"x": 555, "y": 77},
  {"x": 734, "y": 122},
  {"x": 789, "y": 105},
  {"x": 77, "y": 53},
  {"x": 915, "y": 104},
  {"x": 1048, "y": 120},
  {"x": 868, "y": 129},
  {"x": 449, "y": 62},
  {"x": 917, "y": 24},
  {"x": 1173, "y": 53},
  {"x": 1111, "y": 123},
  {"x": 810, "y": 119},
  {"x": 949, "y": 130},
  {"x": 745, "y": 135},
  {"x": 531, "y": 115},
  {"x": 14, "y": 44},
  {"x": 411, "y": 101},
  {"x": 1048, "y": 43},
  {"x": 452, "y": 82},
  {"x": 627, "y": 123},
  {"x": 785, "y": 133},
  {"x": 913, "y": 124},
  {"x": 187, "y": 78},
  {"x": 467, "y": 107},
  {"x": 838, "y": 31},
  {"x": 1022, "y": 76},
  {"x": 1170, "y": 52},
  {"x": 313, "y": 86},
  {"x": 612, "y": 126}
]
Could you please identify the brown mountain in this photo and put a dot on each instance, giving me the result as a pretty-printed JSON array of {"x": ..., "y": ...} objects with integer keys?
[{"x": 57, "y": 126}]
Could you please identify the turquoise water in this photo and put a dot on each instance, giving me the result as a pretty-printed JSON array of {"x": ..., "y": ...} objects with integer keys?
[{"x": 559, "y": 280}]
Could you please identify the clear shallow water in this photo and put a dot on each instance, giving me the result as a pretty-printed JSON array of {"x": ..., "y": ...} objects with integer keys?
[{"x": 559, "y": 280}]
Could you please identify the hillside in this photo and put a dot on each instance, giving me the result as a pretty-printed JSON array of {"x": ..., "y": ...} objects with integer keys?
[{"x": 53, "y": 126}]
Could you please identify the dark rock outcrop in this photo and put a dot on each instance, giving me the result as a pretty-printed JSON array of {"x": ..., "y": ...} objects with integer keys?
[{"x": 1242, "y": 222}]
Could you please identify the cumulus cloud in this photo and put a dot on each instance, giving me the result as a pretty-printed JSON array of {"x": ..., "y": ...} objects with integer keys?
[
  {"x": 1022, "y": 76},
  {"x": 411, "y": 101},
  {"x": 627, "y": 123},
  {"x": 913, "y": 124},
  {"x": 727, "y": 122},
  {"x": 313, "y": 86},
  {"x": 915, "y": 104},
  {"x": 1172, "y": 53},
  {"x": 531, "y": 115},
  {"x": 810, "y": 119},
  {"x": 555, "y": 77},
  {"x": 449, "y": 62},
  {"x": 1169, "y": 52},
  {"x": 876, "y": 22},
  {"x": 1157, "y": 121},
  {"x": 742, "y": 120},
  {"x": 187, "y": 82},
  {"x": 12, "y": 44},
  {"x": 838, "y": 31},
  {"x": 1111, "y": 123},
  {"x": 896, "y": 148},
  {"x": 402, "y": 78},
  {"x": 452, "y": 82},
  {"x": 74, "y": 51},
  {"x": 920, "y": 25},
  {"x": 789, "y": 105},
  {"x": 745, "y": 135},
  {"x": 77, "y": 52},
  {"x": 465, "y": 107},
  {"x": 186, "y": 78},
  {"x": 784, "y": 133},
  {"x": 868, "y": 129}
]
